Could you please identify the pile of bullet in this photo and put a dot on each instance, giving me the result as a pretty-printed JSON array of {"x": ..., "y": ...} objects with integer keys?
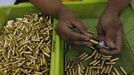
[
  {"x": 100, "y": 65},
  {"x": 25, "y": 46}
]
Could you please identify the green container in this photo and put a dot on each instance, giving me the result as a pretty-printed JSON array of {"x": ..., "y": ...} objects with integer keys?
[
  {"x": 12, "y": 12},
  {"x": 57, "y": 63},
  {"x": 126, "y": 60},
  {"x": 88, "y": 11}
]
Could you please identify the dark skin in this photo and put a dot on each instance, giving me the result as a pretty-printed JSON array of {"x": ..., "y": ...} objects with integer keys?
[{"x": 110, "y": 28}]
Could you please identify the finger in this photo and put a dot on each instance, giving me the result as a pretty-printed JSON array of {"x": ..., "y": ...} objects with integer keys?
[
  {"x": 100, "y": 32},
  {"x": 119, "y": 39},
  {"x": 110, "y": 37},
  {"x": 82, "y": 28},
  {"x": 105, "y": 51},
  {"x": 113, "y": 51},
  {"x": 82, "y": 43},
  {"x": 67, "y": 34}
]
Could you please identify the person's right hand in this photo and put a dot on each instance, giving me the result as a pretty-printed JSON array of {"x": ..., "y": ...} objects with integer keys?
[{"x": 65, "y": 28}]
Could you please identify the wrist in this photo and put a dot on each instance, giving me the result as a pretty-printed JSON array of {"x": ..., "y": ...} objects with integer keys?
[
  {"x": 112, "y": 11},
  {"x": 110, "y": 14},
  {"x": 63, "y": 11}
]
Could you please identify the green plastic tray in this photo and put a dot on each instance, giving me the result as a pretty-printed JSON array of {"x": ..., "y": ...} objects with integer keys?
[
  {"x": 85, "y": 10},
  {"x": 127, "y": 55},
  {"x": 12, "y": 12},
  {"x": 57, "y": 63}
]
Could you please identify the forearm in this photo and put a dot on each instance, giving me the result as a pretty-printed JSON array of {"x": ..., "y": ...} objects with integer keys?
[
  {"x": 51, "y": 7},
  {"x": 116, "y": 6}
]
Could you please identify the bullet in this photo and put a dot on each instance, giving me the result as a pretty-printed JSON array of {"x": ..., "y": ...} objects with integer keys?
[
  {"x": 115, "y": 59},
  {"x": 107, "y": 69},
  {"x": 110, "y": 69},
  {"x": 93, "y": 62},
  {"x": 103, "y": 69},
  {"x": 122, "y": 69},
  {"x": 81, "y": 55},
  {"x": 110, "y": 63},
  {"x": 116, "y": 71},
  {"x": 94, "y": 41},
  {"x": 96, "y": 63}
]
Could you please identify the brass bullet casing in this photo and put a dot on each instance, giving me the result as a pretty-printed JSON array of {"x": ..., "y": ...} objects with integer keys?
[
  {"x": 96, "y": 55},
  {"x": 81, "y": 65},
  {"x": 110, "y": 69},
  {"x": 99, "y": 56},
  {"x": 115, "y": 59},
  {"x": 103, "y": 70},
  {"x": 107, "y": 69},
  {"x": 113, "y": 73},
  {"x": 82, "y": 55},
  {"x": 93, "y": 62},
  {"x": 94, "y": 42},
  {"x": 102, "y": 63},
  {"x": 122, "y": 69},
  {"x": 105, "y": 56},
  {"x": 97, "y": 63},
  {"x": 95, "y": 51},
  {"x": 87, "y": 58},
  {"x": 116, "y": 71},
  {"x": 86, "y": 71},
  {"x": 24, "y": 45}
]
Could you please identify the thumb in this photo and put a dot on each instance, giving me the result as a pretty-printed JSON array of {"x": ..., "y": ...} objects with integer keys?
[{"x": 110, "y": 38}]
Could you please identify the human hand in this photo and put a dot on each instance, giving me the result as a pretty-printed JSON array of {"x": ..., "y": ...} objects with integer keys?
[
  {"x": 65, "y": 28},
  {"x": 110, "y": 30}
]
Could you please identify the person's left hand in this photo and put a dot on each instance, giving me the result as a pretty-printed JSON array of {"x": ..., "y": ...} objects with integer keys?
[{"x": 110, "y": 30}]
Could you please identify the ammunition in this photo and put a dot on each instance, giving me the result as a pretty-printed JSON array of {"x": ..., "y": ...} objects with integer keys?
[
  {"x": 73, "y": 63},
  {"x": 110, "y": 63},
  {"x": 122, "y": 69},
  {"x": 107, "y": 69},
  {"x": 116, "y": 71},
  {"x": 94, "y": 41},
  {"x": 105, "y": 56},
  {"x": 115, "y": 59},
  {"x": 102, "y": 64},
  {"x": 98, "y": 71},
  {"x": 96, "y": 62},
  {"x": 110, "y": 69},
  {"x": 17, "y": 45},
  {"x": 113, "y": 73},
  {"x": 93, "y": 62},
  {"x": 96, "y": 55},
  {"x": 99, "y": 56},
  {"x": 86, "y": 72},
  {"x": 87, "y": 58},
  {"x": 79, "y": 70},
  {"x": 90, "y": 71},
  {"x": 82, "y": 67},
  {"x": 73, "y": 71},
  {"x": 103, "y": 70},
  {"x": 81, "y": 55}
]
